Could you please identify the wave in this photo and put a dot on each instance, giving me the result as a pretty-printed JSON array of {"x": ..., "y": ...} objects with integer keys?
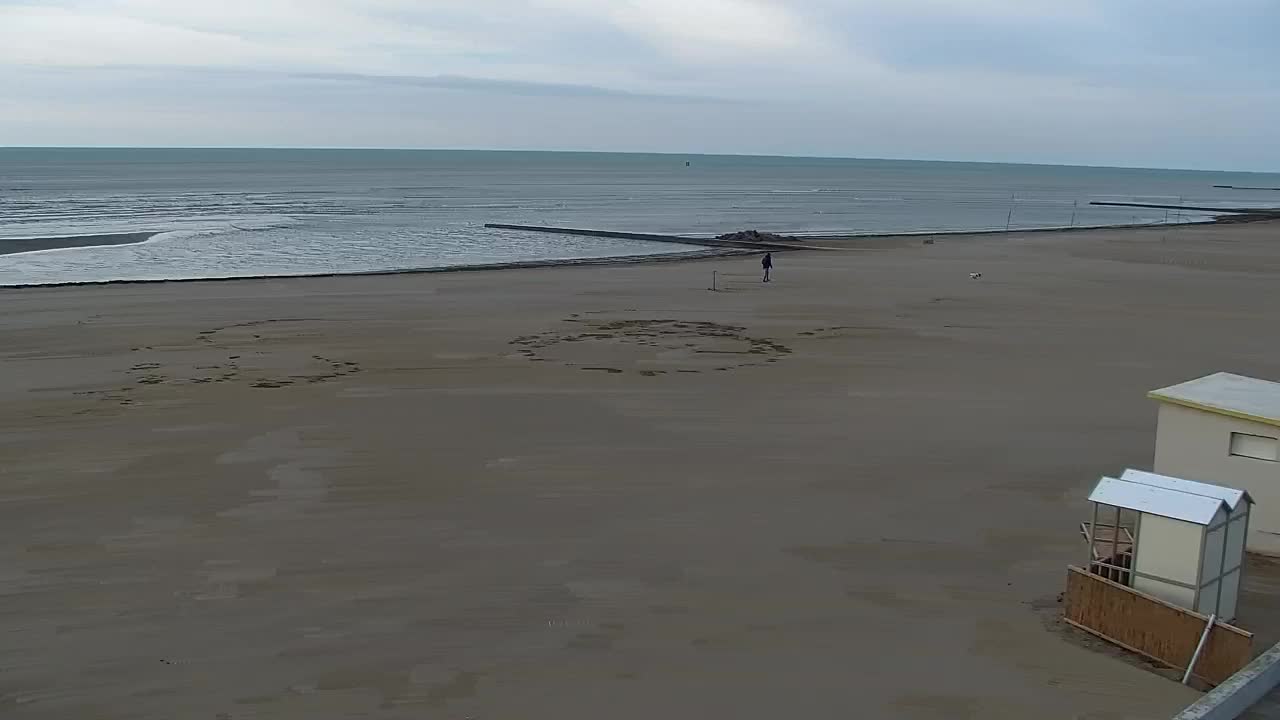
[
  {"x": 666, "y": 256},
  {"x": 188, "y": 233},
  {"x": 811, "y": 192},
  {"x": 91, "y": 241},
  {"x": 262, "y": 228}
]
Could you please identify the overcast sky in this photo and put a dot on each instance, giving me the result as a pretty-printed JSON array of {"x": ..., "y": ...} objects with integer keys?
[{"x": 1159, "y": 83}]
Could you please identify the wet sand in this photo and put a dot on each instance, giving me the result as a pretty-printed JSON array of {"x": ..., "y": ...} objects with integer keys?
[
  {"x": 9, "y": 246},
  {"x": 591, "y": 492}
]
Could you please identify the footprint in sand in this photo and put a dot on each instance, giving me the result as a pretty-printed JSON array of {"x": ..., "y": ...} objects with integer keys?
[
  {"x": 679, "y": 346},
  {"x": 276, "y": 365}
]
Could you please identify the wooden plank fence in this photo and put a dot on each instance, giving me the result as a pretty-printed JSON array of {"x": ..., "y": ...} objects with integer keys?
[{"x": 1153, "y": 628}]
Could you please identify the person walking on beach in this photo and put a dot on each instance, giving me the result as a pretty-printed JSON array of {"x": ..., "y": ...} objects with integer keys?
[{"x": 767, "y": 264}]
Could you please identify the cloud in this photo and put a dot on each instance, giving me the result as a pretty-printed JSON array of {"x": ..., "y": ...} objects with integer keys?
[
  {"x": 238, "y": 34},
  {"x": 500, "y": 87},
  {"x": 1174, "y": 82},
  {"x": 704, "y": 29}
]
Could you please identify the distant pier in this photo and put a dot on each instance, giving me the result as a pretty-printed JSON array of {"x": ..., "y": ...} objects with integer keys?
[
  {"x": 648, "y": 237},
  {"x": 1195, "y": 208}
]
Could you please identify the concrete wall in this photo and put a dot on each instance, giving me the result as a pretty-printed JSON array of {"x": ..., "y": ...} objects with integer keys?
[
  {"x": 1232, "y": 698},
  {"x": 1196, "y": 445},
  {"x": 1168, "y": 548}
]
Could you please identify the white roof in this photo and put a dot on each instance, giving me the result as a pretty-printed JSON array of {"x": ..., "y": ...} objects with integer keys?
[
  {"x": 1230, "y": 496},
  {"x": 1198, "y": 509},
  {"x": 1226, "y": 394}
]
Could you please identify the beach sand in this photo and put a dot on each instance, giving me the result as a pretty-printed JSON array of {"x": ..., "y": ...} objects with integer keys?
[{"x": 602, "y": 492}]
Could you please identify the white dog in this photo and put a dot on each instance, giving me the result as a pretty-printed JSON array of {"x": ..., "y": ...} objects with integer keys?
[{"x": 975, "y": 276}]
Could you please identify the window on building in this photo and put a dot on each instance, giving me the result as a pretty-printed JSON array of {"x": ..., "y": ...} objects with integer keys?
[{"x": 1258, "y": 447}]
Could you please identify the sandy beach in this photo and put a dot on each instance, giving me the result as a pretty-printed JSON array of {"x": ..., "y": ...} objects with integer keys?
[{"x": 602, "y": 492}]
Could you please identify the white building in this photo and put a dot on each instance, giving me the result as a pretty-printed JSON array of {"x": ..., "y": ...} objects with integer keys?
[
  {"x": 1175, "y": 539},
  {"x": 1225, "y": 429}
]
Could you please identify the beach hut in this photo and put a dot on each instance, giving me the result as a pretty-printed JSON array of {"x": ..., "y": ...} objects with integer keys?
[
  {"x": 1225, "y": 429},
  {"x": 1178, "y": 540}
]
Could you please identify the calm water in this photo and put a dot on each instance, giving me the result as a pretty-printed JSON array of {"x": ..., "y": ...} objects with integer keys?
[{"x": 226, "y": 213}]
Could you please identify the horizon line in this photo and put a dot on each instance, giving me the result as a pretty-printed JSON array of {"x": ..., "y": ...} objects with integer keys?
[{"x": 344, "y": 148}]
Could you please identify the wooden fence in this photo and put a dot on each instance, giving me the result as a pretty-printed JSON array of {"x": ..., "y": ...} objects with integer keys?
[{"x": 1154, "y": 628}]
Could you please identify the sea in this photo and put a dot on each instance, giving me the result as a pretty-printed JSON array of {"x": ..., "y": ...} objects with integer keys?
[{"x": 73, "y": 215}]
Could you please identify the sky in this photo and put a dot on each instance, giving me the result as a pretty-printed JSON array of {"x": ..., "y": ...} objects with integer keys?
[{"x": 1146, "y": 83}]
